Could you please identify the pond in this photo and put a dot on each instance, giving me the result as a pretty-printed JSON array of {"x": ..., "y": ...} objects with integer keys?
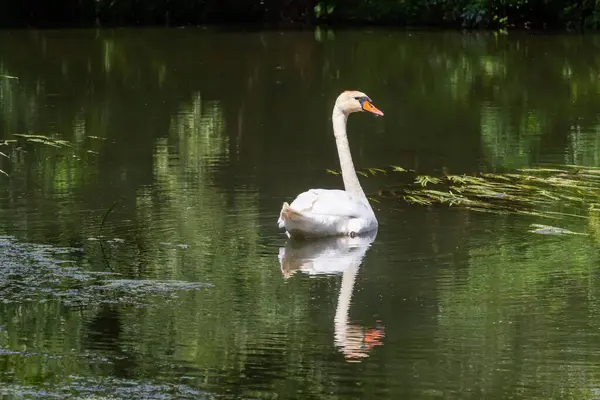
[{"x": 140, "y": 253}]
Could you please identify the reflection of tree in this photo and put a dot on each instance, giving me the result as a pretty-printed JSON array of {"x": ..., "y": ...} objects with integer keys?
[
  {"x": 594, "y": 222},
  {"x": 508, "y": 144},
  {"x": 494, "y": 92}
]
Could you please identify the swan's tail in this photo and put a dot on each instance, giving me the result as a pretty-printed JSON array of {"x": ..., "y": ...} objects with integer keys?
[
  {"x": 287, "y": 214},
  {"x": 305, "y": 224}
]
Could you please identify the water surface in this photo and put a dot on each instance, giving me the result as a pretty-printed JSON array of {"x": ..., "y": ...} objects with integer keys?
[{"x": 144, "y": 261}]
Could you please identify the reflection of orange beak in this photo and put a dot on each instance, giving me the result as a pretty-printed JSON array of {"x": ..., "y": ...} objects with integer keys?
[
  {"x": 373, "y": 337},
  {"x": 368, "y": 106}
]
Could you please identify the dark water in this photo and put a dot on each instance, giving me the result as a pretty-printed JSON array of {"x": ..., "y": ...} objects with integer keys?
[{"x": 143, "y": 261}]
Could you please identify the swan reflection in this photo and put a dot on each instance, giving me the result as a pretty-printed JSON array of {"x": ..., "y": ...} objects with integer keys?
[{"x": 335, "y": 256}]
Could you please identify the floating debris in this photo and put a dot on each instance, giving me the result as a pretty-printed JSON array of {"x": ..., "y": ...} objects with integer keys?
[
  {"x": 152, "y": 285},
  {"x": 38, "y": 273},
  {"x": 103, "y": 388},
  {"x": 552, "y": 230}
]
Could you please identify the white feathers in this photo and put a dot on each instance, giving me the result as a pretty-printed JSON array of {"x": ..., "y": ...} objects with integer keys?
[{"x": 322, "y": 212}]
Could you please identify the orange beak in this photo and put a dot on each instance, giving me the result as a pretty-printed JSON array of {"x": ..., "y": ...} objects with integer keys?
[{"x": 368, "y": 106}]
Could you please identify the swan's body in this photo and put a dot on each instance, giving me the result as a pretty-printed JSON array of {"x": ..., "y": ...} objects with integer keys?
[
  {"x": 332, "y": 212},
  {"x": 327, "y": 212}
]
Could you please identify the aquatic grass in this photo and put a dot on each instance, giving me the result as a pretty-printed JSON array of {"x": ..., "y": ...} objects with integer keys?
[
  {"x": 108, "y": 212},
  {"x": 46, "y": 140},
  {"x": 423, "y": 180},
  {"x": 32, "y": 138},
  {"x": 5, "y": 156},
  {"x": 551, "y": 191}
]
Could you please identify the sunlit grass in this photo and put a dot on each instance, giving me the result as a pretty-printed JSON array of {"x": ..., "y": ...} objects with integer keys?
[
  {"x": 14, "y": 146},
  {"x": 46, "y": 140}
]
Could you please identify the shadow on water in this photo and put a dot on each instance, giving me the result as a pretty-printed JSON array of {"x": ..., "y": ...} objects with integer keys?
[{"x": 335, "y": 256}]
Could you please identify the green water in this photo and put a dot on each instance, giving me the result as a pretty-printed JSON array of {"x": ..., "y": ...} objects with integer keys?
[{"x": 143, "y": 261}]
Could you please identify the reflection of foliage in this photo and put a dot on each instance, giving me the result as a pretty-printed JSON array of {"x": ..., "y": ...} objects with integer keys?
[
  {"x": 510, "y": 306},
  {"x": 187, "y": 232},
  {"x": 594, "y": 222},
  {"x": 496, "y": 98},
  {"x": 193, "y": 175}
]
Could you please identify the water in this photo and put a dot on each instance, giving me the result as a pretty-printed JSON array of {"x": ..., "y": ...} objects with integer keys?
[{"x": 144, "y": 261}]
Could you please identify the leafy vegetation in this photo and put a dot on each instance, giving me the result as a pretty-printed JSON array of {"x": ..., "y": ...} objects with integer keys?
[
  {"x": 451, "y": 13},
  {"x": 467, "y": 13}
]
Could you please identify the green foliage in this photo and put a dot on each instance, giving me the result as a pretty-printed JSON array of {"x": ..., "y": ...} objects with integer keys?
[
  {"x": 498, "y": 14},
  {"x": 466, "y": 13},
  {"x": 63, "y": 13}
]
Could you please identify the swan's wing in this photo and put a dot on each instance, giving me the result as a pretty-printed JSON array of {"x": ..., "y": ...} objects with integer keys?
[
  {"x": 324, "y": 212},
  {"x": 330, "y": 202}
]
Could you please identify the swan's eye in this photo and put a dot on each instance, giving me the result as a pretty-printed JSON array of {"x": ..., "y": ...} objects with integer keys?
[{"x": 362, "y": 99}]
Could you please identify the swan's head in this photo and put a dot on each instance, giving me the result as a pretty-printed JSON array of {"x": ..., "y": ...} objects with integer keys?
[{"x": 352, "y": 101}]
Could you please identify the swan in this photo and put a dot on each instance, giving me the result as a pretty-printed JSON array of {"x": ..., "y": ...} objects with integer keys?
[{"x": 333, "y": 212}]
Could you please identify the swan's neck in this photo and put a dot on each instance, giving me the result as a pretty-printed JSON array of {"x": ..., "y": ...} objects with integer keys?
[
  {"x": 351, "y": 183},
  {"x": 343, "y": 307}
]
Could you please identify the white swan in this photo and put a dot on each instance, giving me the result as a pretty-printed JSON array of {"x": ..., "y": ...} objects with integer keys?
[{"x": 330, "y": 212}]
